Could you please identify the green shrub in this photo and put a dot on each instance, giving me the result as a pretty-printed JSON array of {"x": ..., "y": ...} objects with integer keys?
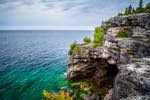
[
  {"x": 120, "y": 14},
  {"x": 106, "y": 22},
  {"x": 122, "y": 33},
  {"x": 98, "y": 36},
  {"x": 87, "y": 40},
  {"x": 61, "y": 95},
  {"x": 74, "y": 47},
  {"x": 82, "y": 86},
  {"x": 128, "y": 22},
  {"x": 103, "y": 91},
  {"x": 77, "y": 49},
  {"x": 147, "y": 10}
]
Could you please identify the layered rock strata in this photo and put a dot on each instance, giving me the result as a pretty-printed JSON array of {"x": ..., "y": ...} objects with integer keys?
[{"x": 125, "y": 61}]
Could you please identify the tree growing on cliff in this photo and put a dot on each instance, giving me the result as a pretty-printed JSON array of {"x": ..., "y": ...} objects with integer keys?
[
  {"x": 133, "y": 10},
  {"x": 141, "y": 4},
  {"x": 128, "y": 10},
  {"x": 98, "y": 36},
  {"x": 140, "y": 8}
]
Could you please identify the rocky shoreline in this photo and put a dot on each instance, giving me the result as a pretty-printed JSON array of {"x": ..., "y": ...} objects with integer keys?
[{"x": 122, "y": 65}]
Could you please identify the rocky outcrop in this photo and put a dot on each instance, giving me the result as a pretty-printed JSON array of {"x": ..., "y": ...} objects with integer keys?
[
  {"x": 132, "y": 80},
  {"x": 128, "y": 58},
  {"x": 134, "y": 20}
]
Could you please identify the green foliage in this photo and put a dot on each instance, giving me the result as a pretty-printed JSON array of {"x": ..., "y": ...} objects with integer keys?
[
  {"x": 128, "y": 22},
  {"x": 82, "y": 86},
  {"x": 141, "y": 4},
  {"x": 98, "y": 36},
  {"x": 77, "y": 49},
  {"x": 140, "y": 9},
  {"x": 147, "y": 8},
  {"x": 103, "y": 91},
  {"x": 106, "y": 22},
  {"x": 122, "y": 33},
  {"x": 87, "y": 40},
  {"x": 74, "y": 47},
  {"x": 119, "y": 14},
  {"x": 128, "y": 10},
  {"x": 61, "y": 95},
  {"x": 133, "y": 11}
]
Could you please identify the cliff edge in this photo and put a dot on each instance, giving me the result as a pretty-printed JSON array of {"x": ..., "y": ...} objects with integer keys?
[{"x": 122, "y": 63}]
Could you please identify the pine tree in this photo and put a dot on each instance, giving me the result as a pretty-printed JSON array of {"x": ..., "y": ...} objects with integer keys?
[
  {"x": 140, "y": 8},
  {"x": 126, "y": 11},
  {"x": 133, "y": 11},
  {"x": 130, "y": 9},
  {"x": 141, "y": 4}
]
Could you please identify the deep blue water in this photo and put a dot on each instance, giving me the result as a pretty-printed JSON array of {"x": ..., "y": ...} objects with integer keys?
[{"x": 33, "y": 61}]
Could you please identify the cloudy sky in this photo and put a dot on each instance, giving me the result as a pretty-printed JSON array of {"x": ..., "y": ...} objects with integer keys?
[{"x": 58, "y": 14}]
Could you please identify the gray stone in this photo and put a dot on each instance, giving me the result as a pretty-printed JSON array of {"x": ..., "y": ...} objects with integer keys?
[{"x": 132, "y": 80}]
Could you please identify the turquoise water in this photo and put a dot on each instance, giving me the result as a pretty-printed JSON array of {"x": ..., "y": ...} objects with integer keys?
[{"x": 33, "y": 61}]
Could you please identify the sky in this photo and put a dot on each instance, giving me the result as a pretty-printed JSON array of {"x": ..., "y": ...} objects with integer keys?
[{"x": 58, "y": 14}]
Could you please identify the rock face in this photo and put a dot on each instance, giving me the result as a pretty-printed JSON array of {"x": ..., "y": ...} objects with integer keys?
[
  {"x": 128, "y": 58},
  {"x": 133, "y": 79}
]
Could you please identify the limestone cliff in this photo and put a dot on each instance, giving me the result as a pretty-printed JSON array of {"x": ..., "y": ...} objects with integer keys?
[{"x": 125, "y": 61}]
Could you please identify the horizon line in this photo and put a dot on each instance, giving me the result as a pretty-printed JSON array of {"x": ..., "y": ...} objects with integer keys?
[
  {"x": 49, "y": 28},
  {"x": 46, "y": 30}
]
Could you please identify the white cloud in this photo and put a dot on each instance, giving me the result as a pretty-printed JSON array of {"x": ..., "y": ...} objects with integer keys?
[{"x": 38, "y": 13}]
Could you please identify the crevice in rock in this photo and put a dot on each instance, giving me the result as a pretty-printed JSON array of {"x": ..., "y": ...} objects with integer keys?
[{"x": 112, "y": 70}]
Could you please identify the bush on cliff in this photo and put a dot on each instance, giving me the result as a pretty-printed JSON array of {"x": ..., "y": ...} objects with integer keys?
[
  {"x": 74, "y": 47},
  {"x": 87, "y": 40},
  {"x": 98, "y": 36},
  {"x": 122, "y": 33}
]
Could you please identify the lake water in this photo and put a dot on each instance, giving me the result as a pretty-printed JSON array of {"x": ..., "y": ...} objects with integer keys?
[{"x": 33, "y": 61}]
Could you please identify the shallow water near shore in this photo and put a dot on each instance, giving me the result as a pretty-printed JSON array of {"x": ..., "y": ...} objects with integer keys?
[{"x": 33, "y": 61}]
